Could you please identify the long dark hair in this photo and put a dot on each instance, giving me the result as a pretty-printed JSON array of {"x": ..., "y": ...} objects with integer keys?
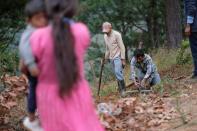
[{"x": 66, "y": 61}]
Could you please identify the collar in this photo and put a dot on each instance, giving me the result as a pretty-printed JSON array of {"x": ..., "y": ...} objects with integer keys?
[
  {"x": 30, "y": 27},
  {"x": 68, "y": 20}
]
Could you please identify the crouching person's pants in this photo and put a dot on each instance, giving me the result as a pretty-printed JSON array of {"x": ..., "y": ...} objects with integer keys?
[{"x": 153, "y": 79}]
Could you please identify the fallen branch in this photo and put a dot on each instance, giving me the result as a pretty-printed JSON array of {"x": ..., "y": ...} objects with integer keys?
[
  {"x": 130, "y": 85},
  {"x": 179, "y": 78}
]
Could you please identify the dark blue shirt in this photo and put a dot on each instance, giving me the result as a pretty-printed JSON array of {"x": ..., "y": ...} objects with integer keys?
[{"x": 191, "y": 14}]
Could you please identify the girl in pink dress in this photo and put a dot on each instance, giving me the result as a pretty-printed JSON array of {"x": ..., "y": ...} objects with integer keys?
[{"x": 63, "y": 94}]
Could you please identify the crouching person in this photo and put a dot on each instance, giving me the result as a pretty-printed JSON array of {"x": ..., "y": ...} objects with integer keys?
[{"x": 144, "y": 71}]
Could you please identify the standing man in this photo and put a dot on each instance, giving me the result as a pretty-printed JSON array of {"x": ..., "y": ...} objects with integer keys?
[
  {"x": 191, "y": 30},
  {"x": 115, "y": 52}
]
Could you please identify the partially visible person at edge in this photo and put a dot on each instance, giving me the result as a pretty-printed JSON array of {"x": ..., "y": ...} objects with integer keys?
[
  {"x": 115, "y": 52},
  {"x": 36, "y": 18},
  {"x": 63, "y": 94},
  {"x": 143, "y": 70},
  {"x": 191, "y": 30}
]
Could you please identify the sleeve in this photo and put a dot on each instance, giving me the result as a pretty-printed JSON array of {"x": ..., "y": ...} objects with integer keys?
[
  {"x": 83, "y": 35},
  {"x": 121, "y": 45},
  {"x": 149, "y": 69},
  {"x": 26, "y": 51},
  {"x": 190, "y": 9},
  {"x": 107, "y": 50},
  {"x": 133, "y": 75}
]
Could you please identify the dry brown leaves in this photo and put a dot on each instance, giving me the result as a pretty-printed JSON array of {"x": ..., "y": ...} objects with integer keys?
[
  {"x": 15, "y": 86},
  {"x": 138, "y": 114}
]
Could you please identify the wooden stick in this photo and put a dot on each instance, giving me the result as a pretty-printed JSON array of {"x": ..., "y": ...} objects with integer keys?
[
  {"x": 179, "y": 78},
  {"x": 131, "y": 84},
  {"x": 100, "y": 75}
]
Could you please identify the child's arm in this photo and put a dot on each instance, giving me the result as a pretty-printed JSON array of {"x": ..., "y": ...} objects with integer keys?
[
  {"x": 27, "y": 55},
  {"x": 29, "y": 61},
  {"x": 22, "y": 67}
]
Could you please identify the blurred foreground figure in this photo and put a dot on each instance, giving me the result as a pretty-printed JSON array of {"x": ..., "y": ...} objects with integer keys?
[{"x": 63, "y": 95}]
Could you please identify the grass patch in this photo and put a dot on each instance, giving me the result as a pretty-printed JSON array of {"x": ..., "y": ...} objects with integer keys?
[
  {"x": 107, "y": 89},
  {"x": 159, "y": 89},
  {"x": 164, "y": 58}
]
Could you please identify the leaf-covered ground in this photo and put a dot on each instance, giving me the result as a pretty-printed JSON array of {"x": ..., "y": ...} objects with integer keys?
[{"x": 173, "y": 105}]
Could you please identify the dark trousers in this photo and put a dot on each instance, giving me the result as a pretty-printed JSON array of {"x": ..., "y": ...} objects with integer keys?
[
  {"x": 31, "y": 98},
  {"x": 193, "y": 45}
]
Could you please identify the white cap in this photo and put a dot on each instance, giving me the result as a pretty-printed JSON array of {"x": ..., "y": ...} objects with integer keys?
[{"x": 106, "y": 27}]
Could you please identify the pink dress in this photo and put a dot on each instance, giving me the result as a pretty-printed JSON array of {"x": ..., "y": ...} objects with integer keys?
[{"x": 75, "y": 112}]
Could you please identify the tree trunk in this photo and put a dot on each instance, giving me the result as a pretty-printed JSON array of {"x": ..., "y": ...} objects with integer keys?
[
  {"x": 156, "y": 32},
  {"x": 126, "y": 53},
  {"x": 173, "y": 23},
  {"x": 152, "y": 23},
  {"x": 150, "y": 30}
]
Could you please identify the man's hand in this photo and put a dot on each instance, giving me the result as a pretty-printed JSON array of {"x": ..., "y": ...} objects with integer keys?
[
  {"x": 123, "y": 62},
  {"x": 137, "y": 84},
  {"x": 188, "y": 30},
  {"x": 103, "y": 61},
  {"x": 144, "y": 82}
]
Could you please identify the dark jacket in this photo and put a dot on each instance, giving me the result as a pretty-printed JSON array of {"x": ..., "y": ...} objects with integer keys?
[{"x": 191, "y": 10}]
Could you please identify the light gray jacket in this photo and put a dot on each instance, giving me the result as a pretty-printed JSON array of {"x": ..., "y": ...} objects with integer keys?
[{"x": 25, "y": 50}]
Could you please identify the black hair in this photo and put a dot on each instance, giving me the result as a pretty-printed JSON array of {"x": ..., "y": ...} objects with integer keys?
[
  {"x": 33, "y": 7},
  {"x": 139, "y": 53},
  {"x": 66, "y": 61}
]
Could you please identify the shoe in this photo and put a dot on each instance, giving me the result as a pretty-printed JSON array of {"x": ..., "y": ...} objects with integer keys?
[
  {"x": 32, "y": 125},
  {"x": 122, "y": 88},
  {"x": 193, "y": 77},
  {"x": 123, "y": 93}
]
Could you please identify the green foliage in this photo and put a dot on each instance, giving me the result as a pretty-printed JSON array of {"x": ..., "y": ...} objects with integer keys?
[
  {"x": 11, "y": 22},
  {"x": 134, "y": 19},
  {"x": 93, "y": 62},
  {"x": 8, "y": 62},
  {"x": 184, "y": 56}
]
